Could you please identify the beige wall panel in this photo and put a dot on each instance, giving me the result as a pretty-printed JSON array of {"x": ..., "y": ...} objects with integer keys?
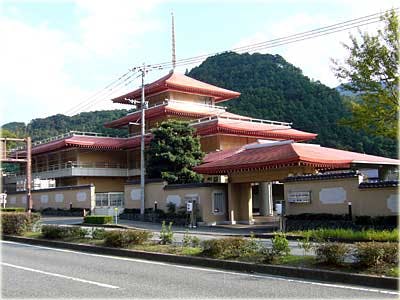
[
  {"x": 104, "y": 184},
  {"x": 112, "y": 157},
  {"x": 81, "y": 197},
  {"x": 371, "y": 201},
  {"x": 156, "y": 192},
  {"x": 268, "y": 175}
]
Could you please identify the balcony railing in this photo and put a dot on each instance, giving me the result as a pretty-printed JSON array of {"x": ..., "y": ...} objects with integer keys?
[{"x": 69, "y": 169}]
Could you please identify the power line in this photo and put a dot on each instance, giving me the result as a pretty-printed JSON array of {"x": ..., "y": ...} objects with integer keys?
[
  {"x": 293, "y": 38},
  {"x": 105, "y": 92},
  {"x": 342, "y": 26}
]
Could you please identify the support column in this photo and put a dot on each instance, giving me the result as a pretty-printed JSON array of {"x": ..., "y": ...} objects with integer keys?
[
  {"x": 246, "y": 203},
  {"x": 266, "y": 203},
  {"x": 232, "y": 203}
]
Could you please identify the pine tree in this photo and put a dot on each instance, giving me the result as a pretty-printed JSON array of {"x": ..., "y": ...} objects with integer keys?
[{"x": 173, "y": 152}]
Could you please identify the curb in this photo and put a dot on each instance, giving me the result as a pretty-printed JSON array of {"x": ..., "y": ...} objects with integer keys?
[{"x": 302, "y": 273}]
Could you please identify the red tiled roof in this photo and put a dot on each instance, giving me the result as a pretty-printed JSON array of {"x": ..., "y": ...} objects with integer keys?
[
  {"x": 103, "y": 143},
  {"x": 286, "y": 154},
  {"x": 170, "y": 110},
  {"x": 181, "y": 83},
  {"x": 260, "y": 130}
]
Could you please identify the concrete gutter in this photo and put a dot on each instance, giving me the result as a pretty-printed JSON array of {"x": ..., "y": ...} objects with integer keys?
[{"x": 286, "y": 271}]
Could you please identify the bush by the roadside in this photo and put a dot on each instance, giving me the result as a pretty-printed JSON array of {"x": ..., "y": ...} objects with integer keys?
[
  {"x": 166, "y": 234},
  {"x": 98, "y": 219},
  {"x": 54, "y": 232},
  {"x": 98, "y": 233},
  {"x": 331, "y": 253},
  {"x": 374, "y": 254},
  {"x": 9, "y": 209},
  {"x": 280, "y": 245},
  {"x": 124, "y": 238},
  {"x": 233, "y": 247},
  {"x": 17, "y": 223}
]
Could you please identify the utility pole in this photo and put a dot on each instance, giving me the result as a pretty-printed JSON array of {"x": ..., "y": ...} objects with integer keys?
[
  {"x": 29, "y": 174},
  {"x": 143, "y": 129}
]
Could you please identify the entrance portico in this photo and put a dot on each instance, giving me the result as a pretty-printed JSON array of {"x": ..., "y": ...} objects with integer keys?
[{"x": 266, "y": 162}]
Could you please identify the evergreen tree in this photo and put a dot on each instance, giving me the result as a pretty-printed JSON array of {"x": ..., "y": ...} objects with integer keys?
[{"x": 173, "y": 152}]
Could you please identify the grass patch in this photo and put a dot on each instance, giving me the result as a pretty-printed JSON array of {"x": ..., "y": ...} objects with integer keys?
[
  {"x": 34, "y": 235},
  {"x": 297, "y": 261},
  {"x": 170, "y": 249},
  {"x": 348, "y": 234}
]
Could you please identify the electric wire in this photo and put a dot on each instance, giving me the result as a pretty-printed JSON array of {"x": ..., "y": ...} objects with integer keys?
[{"x": 293, "y": 38}]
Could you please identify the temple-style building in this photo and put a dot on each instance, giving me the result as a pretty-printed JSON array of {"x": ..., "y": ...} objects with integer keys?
[{"x": 246, "y": 168}]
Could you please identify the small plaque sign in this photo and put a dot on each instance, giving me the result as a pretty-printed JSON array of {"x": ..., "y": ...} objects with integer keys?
[{"x": 299, "y": 197}]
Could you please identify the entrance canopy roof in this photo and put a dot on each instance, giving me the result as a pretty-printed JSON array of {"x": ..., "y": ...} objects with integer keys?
[
  {"x": 269, "y": 154},
  {"x": 180, "y": 83}
]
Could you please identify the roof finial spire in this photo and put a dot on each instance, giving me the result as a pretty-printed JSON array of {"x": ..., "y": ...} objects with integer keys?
[{"x": 173, "y": 43}]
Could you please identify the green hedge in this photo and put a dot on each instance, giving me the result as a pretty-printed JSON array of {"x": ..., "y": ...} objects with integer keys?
[
  {"x": 15, "y": 209},
  {"x": 124, "y": 238},
  {"x": 17, "y": 223},
  {"x": 55, "y": 232},
  {"x": 98, "y": 219}
]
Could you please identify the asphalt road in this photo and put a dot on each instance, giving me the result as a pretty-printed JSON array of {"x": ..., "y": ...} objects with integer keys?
[{"x": 40, "y": 272}]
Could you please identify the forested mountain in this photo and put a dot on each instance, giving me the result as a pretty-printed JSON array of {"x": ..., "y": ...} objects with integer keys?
[
  {"x": 54, "y": 125},
  {"x": 271, "y": 88}
]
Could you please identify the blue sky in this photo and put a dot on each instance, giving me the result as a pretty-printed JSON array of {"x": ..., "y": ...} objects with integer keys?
[{"x": 55, "y": 54}]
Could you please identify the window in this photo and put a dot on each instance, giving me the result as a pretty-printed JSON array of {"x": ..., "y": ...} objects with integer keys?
[
  {"x": 110, "y": 199},
  {"x": 218, "y": 203}
]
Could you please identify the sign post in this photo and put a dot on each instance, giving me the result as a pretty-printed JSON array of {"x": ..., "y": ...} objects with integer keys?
[
  {"x": 3, "y": 199},
  {"x": 116, "y": 215}
]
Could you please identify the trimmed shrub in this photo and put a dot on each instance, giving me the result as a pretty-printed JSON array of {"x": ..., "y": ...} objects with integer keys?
[
  {"x": 125, "y": 238},
  {"x": 374, "y": 254},
  {"x": 17, "y": 223},
  {"x": 16, "y": 209},
  {"x": 98, "y": 234},
  {"x": 55, "y": 232},
  {"x": 232, "y": 247},
  {"x": 332, "y": 253},
  {"x": 98, "y": 219}
]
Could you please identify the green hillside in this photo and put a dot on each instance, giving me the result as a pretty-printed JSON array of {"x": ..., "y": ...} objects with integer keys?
[
  {"x": 40, "y": 129},
  {"x": 271, "y": 88}
]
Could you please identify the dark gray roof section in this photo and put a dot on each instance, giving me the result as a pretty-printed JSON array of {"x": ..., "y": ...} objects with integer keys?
[
  {"x": 193, "y": 185},
  {"x": 322, "y": 176},
  {"x": 147, "y": 180},
  {"x": 379, "y": 184}
]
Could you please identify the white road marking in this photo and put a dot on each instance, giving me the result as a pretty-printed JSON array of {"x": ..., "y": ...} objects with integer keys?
[
  {"x": 216, "y": 271},
  {"x": 61, "y": 276}
]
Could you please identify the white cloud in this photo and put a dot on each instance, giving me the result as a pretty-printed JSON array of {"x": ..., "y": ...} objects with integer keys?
[
  {"x": 107, "y": 26},
  {"x": 39, "y": 63}
]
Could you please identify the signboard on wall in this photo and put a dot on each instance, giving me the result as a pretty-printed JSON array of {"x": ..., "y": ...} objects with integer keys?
[{"x": 299, "y": 196}]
